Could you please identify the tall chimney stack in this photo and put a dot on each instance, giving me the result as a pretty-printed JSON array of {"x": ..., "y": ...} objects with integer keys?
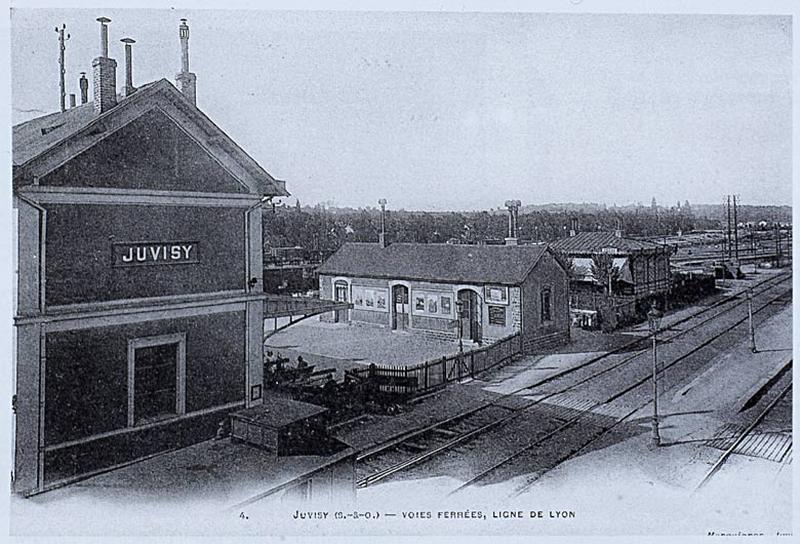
[
  {"x": 382, "y": 235},
  {"x": 105, "y": 73},
  {"x": 83, "y": 83},
  {"x": 129, "y": 88},
  {"x": 187, "y": 81},
  {"x": 513, "y": 217}
]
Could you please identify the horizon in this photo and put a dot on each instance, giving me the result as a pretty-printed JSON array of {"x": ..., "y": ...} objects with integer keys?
[
  {"x": 289, "y": 203},
  {"x": 417, "y": 107}
]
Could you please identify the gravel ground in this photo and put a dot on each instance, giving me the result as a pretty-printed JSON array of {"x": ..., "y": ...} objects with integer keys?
[{"x": 348, "y": 345}]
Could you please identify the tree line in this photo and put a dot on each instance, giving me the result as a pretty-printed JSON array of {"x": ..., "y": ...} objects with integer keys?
[{"x": 320, "y": 230}]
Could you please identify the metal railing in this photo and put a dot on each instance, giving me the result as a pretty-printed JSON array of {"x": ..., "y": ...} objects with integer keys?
[{"x": 286, "y": 305}]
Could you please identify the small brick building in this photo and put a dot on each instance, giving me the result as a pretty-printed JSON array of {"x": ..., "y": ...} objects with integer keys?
[{"x": 418, "y": 287}]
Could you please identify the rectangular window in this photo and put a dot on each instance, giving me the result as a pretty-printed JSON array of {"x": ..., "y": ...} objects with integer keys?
[
  {"x": 497, "y": 315},
  {"x": 156, "y": 378},
  {"x": 546, "y": 305}
]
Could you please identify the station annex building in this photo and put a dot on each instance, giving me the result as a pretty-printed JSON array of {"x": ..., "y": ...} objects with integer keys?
[
  {"x": 641, "y": 276},
  {"x": 139, "y": 306},
  {"x": 502, "y": 290}
]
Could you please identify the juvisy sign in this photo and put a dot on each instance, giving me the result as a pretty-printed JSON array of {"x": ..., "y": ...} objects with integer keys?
[{"x": 154, "y": 253}]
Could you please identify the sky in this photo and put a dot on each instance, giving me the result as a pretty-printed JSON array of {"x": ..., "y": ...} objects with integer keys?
[{"x": 462, "y": 111}]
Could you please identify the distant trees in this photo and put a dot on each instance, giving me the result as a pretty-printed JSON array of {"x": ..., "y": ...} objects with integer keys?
[{"x": 322, "y": 230}]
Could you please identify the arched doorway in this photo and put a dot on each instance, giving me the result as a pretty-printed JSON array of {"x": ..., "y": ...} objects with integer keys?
[
  {"x": 340, "y": 295},
  {"x": 400, "y": 307},
  {"x": 470, "y": 315}
]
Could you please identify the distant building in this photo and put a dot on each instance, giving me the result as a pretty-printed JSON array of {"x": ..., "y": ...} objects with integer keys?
[
  {"x": 640, "y": 275},
  {"x": 417, "y": 287}
]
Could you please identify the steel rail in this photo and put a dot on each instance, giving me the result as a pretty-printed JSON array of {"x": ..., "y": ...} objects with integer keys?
[
  {"x": 376, "y": 450},
  {"x": 380, "y": 475},
  {"x": 736, "y": 443},
  {"x": 590, "y": 409}
]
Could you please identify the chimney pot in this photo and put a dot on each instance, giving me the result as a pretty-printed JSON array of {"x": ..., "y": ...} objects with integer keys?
[
  {"x": 83, "y": 83},
  {"x": 71, "y": 100},
  {"x": 103, "y": 35},
  {"x": 129, "y": 88}
]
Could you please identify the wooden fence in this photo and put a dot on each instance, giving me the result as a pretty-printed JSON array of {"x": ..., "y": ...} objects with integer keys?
[{"x": 423, "y": 377}]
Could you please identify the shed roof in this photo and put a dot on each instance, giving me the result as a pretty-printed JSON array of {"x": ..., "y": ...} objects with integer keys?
[
  {"x": 596, "y": 242},
  {"x": 448, "y": 263}
]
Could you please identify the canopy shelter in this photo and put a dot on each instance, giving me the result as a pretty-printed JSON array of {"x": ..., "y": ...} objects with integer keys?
[{"x": 582, "y": 267}]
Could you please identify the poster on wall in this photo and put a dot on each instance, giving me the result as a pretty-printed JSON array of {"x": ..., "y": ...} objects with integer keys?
[
  {"x": 495, "y": 294},
  {"x": 433, "y": 304},
  {"x": 446, "y": 304},
  {"x": 370, "y": 299}
]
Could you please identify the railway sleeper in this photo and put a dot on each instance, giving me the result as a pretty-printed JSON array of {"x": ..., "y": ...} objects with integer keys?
[
  {"x": 414, "y": 446},
  {"x": 447, "y": 433}
]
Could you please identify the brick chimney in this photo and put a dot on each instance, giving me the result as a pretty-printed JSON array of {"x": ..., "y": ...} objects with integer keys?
[
  {"x": 105, "y": 73},
  {"x": 618, "y": 230},
  {"x": 83, "y": 83},
  {"x": 187, "y": 81},
  {"x": 573, "y": 226}
]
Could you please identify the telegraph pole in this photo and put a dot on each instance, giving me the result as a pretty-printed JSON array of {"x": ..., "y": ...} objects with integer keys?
[
  {"x": 61, "y": 68},
  {"x": 729, "y": 226},
  {"x": 736, "y": 230}
]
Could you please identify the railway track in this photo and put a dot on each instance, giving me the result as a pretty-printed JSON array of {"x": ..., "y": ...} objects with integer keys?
[
  {"x": 419, "y": 446},
  {"x": 532, "y": 450},
  {"x": 738, "y": 440}
]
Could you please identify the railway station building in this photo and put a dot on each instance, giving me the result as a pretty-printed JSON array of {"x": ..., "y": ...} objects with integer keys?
[
  {"x": 640, "y": 275},
  {"x": 139, "y": 304},
  {"x": 501, "y": 290}
]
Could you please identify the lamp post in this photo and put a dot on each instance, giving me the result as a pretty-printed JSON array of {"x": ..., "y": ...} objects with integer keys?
[
  {"x": 750, "y": 319},
  {"x": 459, "y": 310},
  {"x": 654, "y": 321}
]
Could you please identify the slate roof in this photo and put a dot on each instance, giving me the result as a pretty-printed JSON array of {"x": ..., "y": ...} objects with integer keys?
[
  {"x": 448, "y": 263},
  {"x": 36, "y": 137},
  {"x": 595, "y": 242}
]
